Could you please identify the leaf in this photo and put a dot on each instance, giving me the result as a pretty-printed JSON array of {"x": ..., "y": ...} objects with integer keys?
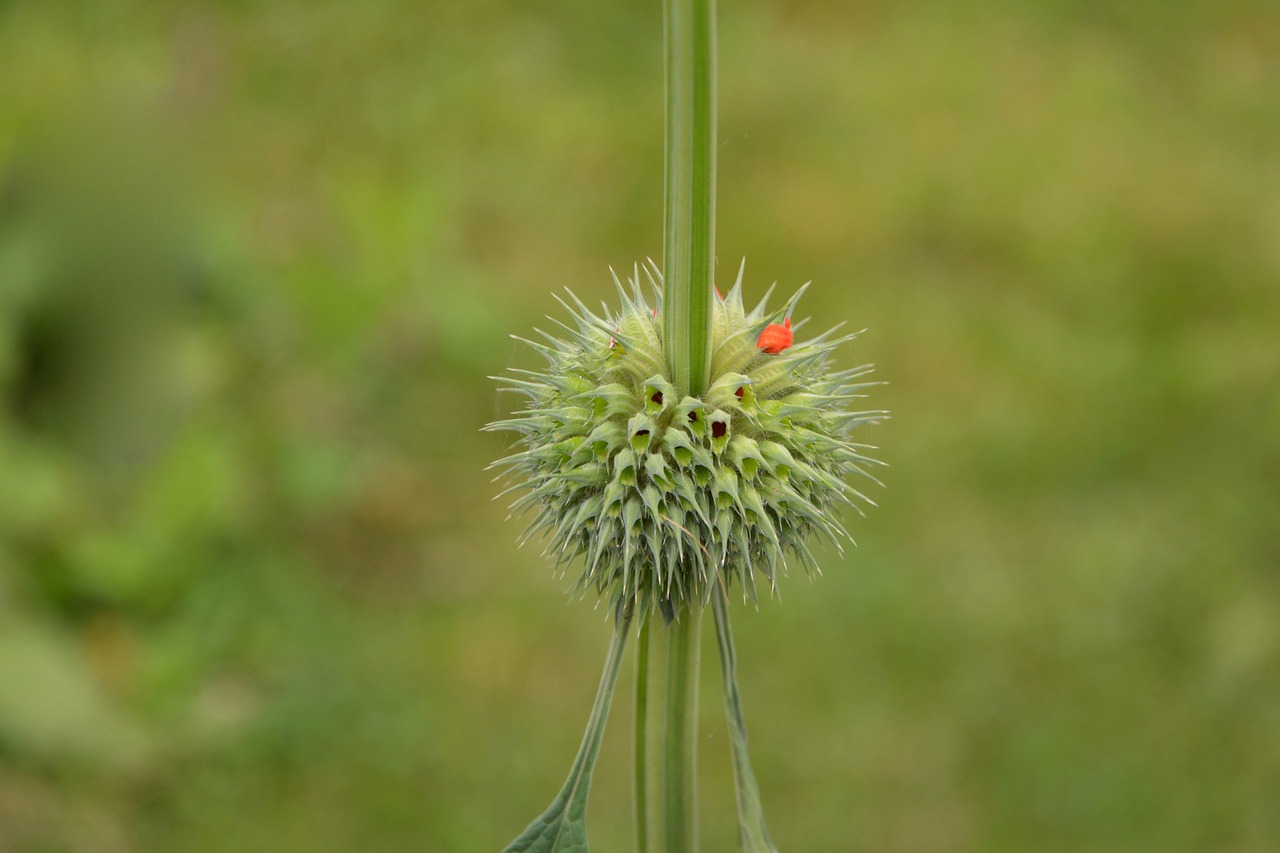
[
  {"x": 751, "y": 829},
  {"x": 562, "y": 828}
]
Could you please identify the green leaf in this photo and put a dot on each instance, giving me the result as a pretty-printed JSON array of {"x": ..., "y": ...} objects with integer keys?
[
  {"x": 562, "y": 828},
  {"x": 751, "y": 828}
]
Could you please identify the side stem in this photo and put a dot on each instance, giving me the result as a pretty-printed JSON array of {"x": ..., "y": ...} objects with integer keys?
[
  {"x": 752, "y": 832},
  {"x": 562, "y": 827}
]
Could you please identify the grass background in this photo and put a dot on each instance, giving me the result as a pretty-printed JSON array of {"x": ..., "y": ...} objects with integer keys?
[{"x": 257, "y": 258}]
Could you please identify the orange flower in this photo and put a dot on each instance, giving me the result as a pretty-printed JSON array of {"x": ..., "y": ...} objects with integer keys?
[{"x": 774, "y": 339}]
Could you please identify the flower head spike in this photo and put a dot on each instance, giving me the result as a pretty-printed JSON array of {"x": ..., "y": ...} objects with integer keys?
[{"x": 662, "y": 495}]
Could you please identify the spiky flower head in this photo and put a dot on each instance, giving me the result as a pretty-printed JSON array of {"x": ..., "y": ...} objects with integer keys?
[{"x": 663, "y": 494}]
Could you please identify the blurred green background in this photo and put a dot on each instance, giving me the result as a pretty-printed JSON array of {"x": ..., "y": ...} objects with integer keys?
[{"x": 257, "y": 259}]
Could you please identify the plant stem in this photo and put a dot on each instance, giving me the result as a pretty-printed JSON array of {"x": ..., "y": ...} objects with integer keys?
[
  {"x": 689, "y": 218},
  {"x": 668, "y": 804},
  {"x": 639, "y": 782},
  {"x": 667, "y": 656},
  {"x": 680, "y": 770},
  {"x": 752, "y": 833},
  {"x": 563, "y": 825}
]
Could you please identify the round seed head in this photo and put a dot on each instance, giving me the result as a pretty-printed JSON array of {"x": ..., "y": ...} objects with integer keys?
[{"x": 661, "y": 495}]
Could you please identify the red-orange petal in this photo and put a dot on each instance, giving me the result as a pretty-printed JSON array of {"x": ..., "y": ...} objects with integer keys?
[{"x": 775, "y": 338}]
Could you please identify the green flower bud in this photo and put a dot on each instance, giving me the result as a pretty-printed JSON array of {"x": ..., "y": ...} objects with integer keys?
[{"x": 663, "y": 495}]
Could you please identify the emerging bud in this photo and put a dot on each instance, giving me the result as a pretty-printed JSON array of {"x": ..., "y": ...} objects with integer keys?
[{"x": 775, "y": 338}]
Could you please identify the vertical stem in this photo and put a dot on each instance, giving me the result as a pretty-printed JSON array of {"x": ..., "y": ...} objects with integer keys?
[
  {"x": 689, "y": 218},
  {"x": 669, "y": 800},
  {"x": 680, "y": 770},
  {"x": 651, "y": 730},
  {"x": 667, "y": 660},
  {"x": 641, "y": 721}
]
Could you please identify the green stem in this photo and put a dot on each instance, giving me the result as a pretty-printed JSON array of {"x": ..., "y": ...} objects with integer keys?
[
  {"x": 689, "y": 217},
  {"x": 562, "y": 827},
  {"x": 668, "y": 803},
  {"x": 680, "y": 753},
  {"x": 752, "y": 833},
  {"x": 667, "y": 657},
  {"x": 639, "y": 782}
]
